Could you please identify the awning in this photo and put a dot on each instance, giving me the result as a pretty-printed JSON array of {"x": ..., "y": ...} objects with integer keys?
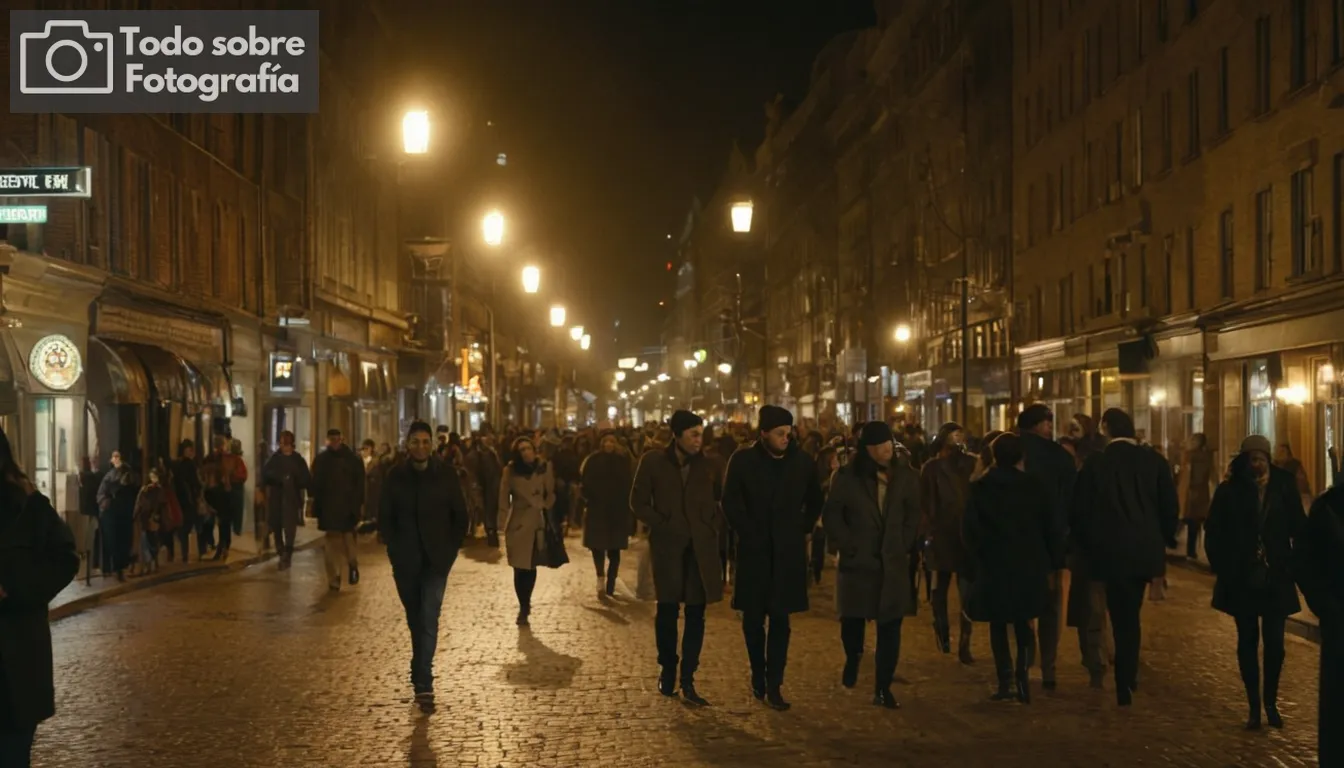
[
  {"x": 211, "y": 382},
  {"x": 127, "y": 380},
  {"x": 167, "y": 372}
]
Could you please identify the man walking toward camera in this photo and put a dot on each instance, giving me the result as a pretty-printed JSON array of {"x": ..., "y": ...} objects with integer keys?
[
  {"x": 772, "y": 499},
  {"x": 338, "y": 498}
]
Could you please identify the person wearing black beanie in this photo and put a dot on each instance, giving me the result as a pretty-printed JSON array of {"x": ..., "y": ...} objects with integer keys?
[
  {"x": 675, "y": 493},
  {"x": 772, "y": 499}
]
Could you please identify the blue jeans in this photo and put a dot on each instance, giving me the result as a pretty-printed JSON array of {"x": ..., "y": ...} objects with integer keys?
[{"x": 422, "y": 596}]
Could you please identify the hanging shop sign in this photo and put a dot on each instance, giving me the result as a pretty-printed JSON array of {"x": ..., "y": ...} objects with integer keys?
[
  {"x": 23, "y": 214},
  {"x": 284, "y": 373},
  {"x": 55, "y": 362},
  {"x": 46, "y": 182}
]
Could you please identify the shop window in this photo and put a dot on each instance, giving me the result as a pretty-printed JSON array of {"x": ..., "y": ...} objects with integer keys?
[
  {"x": 54, "y": 462},
  {"x": 1194, "y": 419},
  {"x": 1260, "y": 401}
]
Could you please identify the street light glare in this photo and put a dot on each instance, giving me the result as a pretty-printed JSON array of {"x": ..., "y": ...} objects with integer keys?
[
  {"x": 902, "y": 333},
  {"x": 725, "y": 368},
  {"x": 415, "y": 132},
  {"x": 557, "y": 316},
  {"x": 492, "y": 226},
  {"x": 741, "y": 215},
  {"x": 531, "y": 279},
  {"x": 620, "y": 375},
  {"x": 585, "y": 342},
  {"x": 576, "y": 333}
]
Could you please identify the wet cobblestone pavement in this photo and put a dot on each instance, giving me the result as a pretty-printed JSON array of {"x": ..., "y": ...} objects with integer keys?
[{"x": 267, "y": 668}]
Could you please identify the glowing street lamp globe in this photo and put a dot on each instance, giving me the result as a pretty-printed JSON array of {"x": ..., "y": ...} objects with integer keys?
[
  {"x": 576, "y": 333},
  {"x": 557, "y": 316},
  {"x": 415, "y": 132},
  {"x": 585, "y": 342},
  {"x": 531, "y": 279},
  {"x": 741, "y": 216},
  {"x": 903, "y": 333},
  {"x": 492, "y": 228}
]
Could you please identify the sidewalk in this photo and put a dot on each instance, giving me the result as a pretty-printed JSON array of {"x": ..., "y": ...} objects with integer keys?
[{"x": 245, "y": 551}]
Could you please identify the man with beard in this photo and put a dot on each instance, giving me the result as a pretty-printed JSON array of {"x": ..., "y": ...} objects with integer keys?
[
  {"x": 338, "y": 497},
  {"x": 676, "y": 494},
  {"x": 772, "y": 499},
  {"x": 423, "y": 520}
]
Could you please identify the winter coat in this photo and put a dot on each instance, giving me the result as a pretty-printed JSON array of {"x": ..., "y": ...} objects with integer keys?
[
  {"x": 186, "y": 479},
  {"x": 772, "y": 503},
  {"x": 285, "y": 477},
  {"x": 422, "y": 516},
  {"x": 484, "y": 463},
  {"x": 1196, "y": 482},
  {"x": 373, "y": 485},
  {"x": 108, "y": 487},
  {"x": 1057, "y": 473},
  {"x": 945, "y": 484},
  {"x": 1124, "y": 513},
  {"x": 337, "y": 489},
  {"x": 1318, "y": 564},
  {"x": 681, "y": 516},
  {"x": 606, "y": 481},
  {"x": 151, "y": 508},
  {"x": 1013, "y": 542},
  {"x": 873, "y": 577},
  {"x": 525, "y": 501},
  {"x": 1231, "y": 540},
  {"x": 37, "y": 561}
]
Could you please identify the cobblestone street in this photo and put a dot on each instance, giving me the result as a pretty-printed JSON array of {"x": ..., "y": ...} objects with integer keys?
[{"x": 266, "y": 668}]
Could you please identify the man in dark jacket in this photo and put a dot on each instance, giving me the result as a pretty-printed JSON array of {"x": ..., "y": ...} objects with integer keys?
[
  {"x": 1318, "y": 565},
  {"x": 483, "y": 461},
  {"x": 338, "y": 499},
  {"x": 1053, "y": 467},
  {"x": 676, "y": 494},
  {"x": 945, "y": 484},
  {"x": 37, "y": 560},
  {"x": 872, "y": 518},
  {"x": 772, "y": 499},
  {"x": 423, "y": 520},
  {"x": 1124, "y": 518}
]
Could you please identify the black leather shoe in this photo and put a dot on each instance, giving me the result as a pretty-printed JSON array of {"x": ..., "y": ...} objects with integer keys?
[
  {"x": 689, "y": 695},
  {"x": 1124, "y": 697},
  {"x": 667, "y": 683},
  {"x": 425, "y": 701},
  {"x": 884, "y": 699},
  {"x": 354, "y": 575},
  {"x": 851, "y": 674},
  {"x": 1253, "y": 722},
  {"x": 492, "y": 539},
  {"x": 758, "y": 687},
  {"x": 1272, "y": 716},
  {"x": 1023, "y": 690},
  {"x": 775, "y": 700},
  {"x": 1005, "y": 693}
]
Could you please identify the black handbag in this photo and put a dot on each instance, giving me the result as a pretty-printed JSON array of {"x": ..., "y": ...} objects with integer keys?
[{"x": 549, "y": 551}]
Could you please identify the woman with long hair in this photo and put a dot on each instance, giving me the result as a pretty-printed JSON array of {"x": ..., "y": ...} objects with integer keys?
[
  {"x": 37, "y": 560},
  {"x": 1253, "y": 519},
  {"x": 526, "y": 498}
]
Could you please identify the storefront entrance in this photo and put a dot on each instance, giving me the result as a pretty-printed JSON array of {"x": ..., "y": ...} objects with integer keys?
[{"x": 55, "y": 463}]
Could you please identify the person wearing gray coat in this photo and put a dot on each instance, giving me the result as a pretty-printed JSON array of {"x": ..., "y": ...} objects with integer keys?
[
  {"x": 676, "y": 494},
  {"x": 526, "y": 496},
  {"x": 872, "y": 518}
]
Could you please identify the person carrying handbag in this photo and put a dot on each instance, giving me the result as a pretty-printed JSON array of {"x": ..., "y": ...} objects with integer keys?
[
  {"x": 1255, "y": 514},
  {"x": 526, "y": 498}
]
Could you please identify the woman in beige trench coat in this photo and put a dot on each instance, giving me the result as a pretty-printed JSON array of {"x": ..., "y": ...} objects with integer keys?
[{"x": 526, "y": 495}]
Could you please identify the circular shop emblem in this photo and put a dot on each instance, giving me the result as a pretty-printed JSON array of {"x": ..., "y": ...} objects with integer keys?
[{"x": 55, "y": 362}]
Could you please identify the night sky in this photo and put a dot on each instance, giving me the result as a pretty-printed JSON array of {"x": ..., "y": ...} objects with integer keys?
[{"x": 615, "y": 113}]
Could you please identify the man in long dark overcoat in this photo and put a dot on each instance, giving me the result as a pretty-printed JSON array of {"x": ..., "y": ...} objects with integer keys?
[
  {"x": 772, "y": 499},
  {"x": 676, "y": 494}
]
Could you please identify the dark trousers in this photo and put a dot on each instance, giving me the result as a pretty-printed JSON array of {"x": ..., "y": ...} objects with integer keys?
[
  {"x": 205, "y": 534},
  {"x": 16, "y": 746},
  {"x": 1192, "y": 529},
  {"x": 111, "y": 561},
  {"x": 524, "y": 581},
  {"x": 888, "y": 646},
  {"x": 1048, "y": 628},
  {"x": 421, "y": 596},
  {"x": 1124, "y": 599},
  {"x": 607, "y": 563},
  {"x": 692, "y": 639},
  {"x": 818, "y": 552},
  {"x": 1330, "y": 737},
  {"x": 1250, "y": 630},
  {"x": 941, "y": 622},
  {"x": 237, "y": 500},
  {"x": 225, "y": 530},
  {"x": 284, "y": 537},
  {"x": 768, "y": 651},
  {"x": 1003, "y": 655}
]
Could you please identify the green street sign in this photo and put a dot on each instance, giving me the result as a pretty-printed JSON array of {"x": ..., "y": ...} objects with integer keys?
[{"x": 23, "y": 214}]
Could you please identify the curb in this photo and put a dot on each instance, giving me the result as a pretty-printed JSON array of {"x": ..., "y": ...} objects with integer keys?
[
  {"x": 1307, "y": 630},
  {"x": 82, "y": 604}
]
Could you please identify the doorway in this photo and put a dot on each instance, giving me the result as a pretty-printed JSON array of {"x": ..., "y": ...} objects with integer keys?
[{"x": 55, "y": 467}]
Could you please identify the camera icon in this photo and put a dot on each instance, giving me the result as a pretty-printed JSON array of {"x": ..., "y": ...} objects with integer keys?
[{"x": 84, "y": 65}]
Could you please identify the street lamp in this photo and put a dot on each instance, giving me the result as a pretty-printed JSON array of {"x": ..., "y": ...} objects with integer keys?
[
  {"x": 902, "y": 333},
  {"x": 557, "y": 316},
  {"x": 415, "y": 132},
  {"x": 576, "y": 333},
  {"x": 620, "y": 375},
  {"x": 690, "y": 364},
  {"x": 531, "y": 279},
  {"x": 585, "y": 342},
  {"x": 492, "y": 227},
  {"x": 741, "y": 216},
  {"x": 725, "y": 368}
]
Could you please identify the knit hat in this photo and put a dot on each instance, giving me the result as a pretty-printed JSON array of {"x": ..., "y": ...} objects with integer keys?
[
  {"x": 1257, "y": 443},
  {"x": 1033, "y": 415},
  {"x": 773, "y": 417},
  {"x": 684, "y": 420},
  {"x": 418, "y": 426},
  {"x": 875, "y": 433}
]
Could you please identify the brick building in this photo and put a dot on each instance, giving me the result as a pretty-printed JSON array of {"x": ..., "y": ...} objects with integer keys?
[{"x": 1179, "y": 187}]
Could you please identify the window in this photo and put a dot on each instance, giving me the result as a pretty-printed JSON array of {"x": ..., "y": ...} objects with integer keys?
[
  {"x": 1168, "y": 256},
  {"x": 1190, "y": 268},
  {"x": 1038, "y": 311},
  {"x": 1138, "y": 27},
  {"x": 1298, "y": 55},
  {"x": 1225, "y": 256},
  {"x": 1162, "y": 23},
  {"x": 1096, "y": 50},
  {"x": 1191, "y": 10},
  {"x": 1264, "y": 238},
  {"x": 1262, "y": 65},
  {"x": 1167, "y": 134},
  {"x": 1143, "y": 276},
  {"x": 1138, "y": 148},
  {"x": 1061, "y": 197},
  {"x": 1087, "y": 66},
  {"x": 1107, "y": 287},
  {"x": 1337, "y": 220},
  {"x": 1066, "y": 305},
  {"x": 1336, "y": 31},
  {"x": 1026, "y": 117},
  {"x": 1192, "y": 118},
  {"x": 1088, "y": 173},
  {"x": 1051, "y": 204},
  {"x": 1117, "y": 180},
  {"x": 1031, "y": 214},
  {"x": 1305, "y": 251},
  {"x": 1224, "y": 93},
  {"x": 1124, "y": 283}
]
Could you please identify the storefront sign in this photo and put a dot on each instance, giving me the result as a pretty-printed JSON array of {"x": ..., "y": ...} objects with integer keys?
[
  {"x": 55, "y": 362},
  {"x": 23, "y": 214},
  {"x": 133, "y": 325},
  {"x": 919, "y": 380},
  {"x": 46, "y": 182},
  {"x": 284, "y": 373}
]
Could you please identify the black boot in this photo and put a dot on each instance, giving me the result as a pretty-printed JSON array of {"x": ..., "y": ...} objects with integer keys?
[
  {"x": 1023, "y": 688},
  {"x": 758, "y": 685},
  {"x": 689, "y": 695},
  {"x": 492, "y": 539},
  {"x": 851, "y": 674},
  {"x": 1005, "y": 692},
  {"x": 667, "y": 681},
  {"x": 942, "y": 634},
  {"x": 1272, "y": 671},
  {"x": 883, "y": 698},
  {"x": 775, "y": 700}
]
